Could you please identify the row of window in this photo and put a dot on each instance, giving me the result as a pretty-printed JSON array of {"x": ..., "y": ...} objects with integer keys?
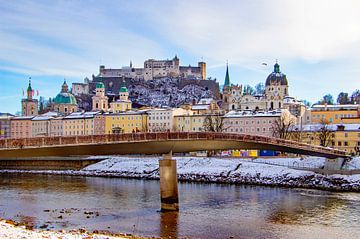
[
  {"x": 246, "y": 122},
  {"x": 247, "y": 129}
]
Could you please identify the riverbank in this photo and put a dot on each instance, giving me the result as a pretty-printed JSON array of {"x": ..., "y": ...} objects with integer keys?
[
  {"x": 12, "y": 230},
  {"x": 260, "y": 171}
]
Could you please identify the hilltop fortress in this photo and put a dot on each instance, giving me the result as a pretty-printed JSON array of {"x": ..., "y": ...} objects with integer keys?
[{"x": 157, "y": 69}]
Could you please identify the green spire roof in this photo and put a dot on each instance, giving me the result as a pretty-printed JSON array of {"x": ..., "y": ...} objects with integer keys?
[
  {"x": 227, "y": 78},
  {"x": 123, "y": 87},
  {"x": 100, "y": 85},
  {"x": 276, "y": 68},
  {"x": 29, "y": 87}
]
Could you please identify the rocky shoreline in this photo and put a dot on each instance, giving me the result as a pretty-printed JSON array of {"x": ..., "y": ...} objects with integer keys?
[
  {"x": 12, "y": 230},
  {"x": 221, "y": 171}
]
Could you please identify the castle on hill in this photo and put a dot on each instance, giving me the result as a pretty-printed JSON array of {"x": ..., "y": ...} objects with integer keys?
[{"x": 157, "y": 69}]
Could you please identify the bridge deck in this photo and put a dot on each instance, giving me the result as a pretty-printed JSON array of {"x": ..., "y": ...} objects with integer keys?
[{"x": 153, "y": 143}]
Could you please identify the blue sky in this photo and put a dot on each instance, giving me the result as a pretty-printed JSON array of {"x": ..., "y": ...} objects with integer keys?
[{"x": 317, "y": 43}]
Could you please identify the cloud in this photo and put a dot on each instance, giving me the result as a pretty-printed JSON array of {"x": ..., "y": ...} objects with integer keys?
[
  {"x": 67, "y": 38},
  {"x": 244, "y": 31}
]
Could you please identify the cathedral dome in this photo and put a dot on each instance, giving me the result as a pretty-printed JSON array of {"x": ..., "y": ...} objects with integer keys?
[
  {"x": 64, "y": 97},
  {"x": 276, "y": 77}
]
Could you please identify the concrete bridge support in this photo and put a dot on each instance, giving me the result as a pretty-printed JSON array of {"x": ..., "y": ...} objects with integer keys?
[{"x": 168, "y": 184}]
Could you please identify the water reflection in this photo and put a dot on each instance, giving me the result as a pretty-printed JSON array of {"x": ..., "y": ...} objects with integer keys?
[
  {"x": 169, "y": 224},
  {"x": 206, "y": 210}
]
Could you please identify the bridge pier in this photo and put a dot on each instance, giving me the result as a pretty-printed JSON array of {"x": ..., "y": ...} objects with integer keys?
[{"x": 168, "y": 183}]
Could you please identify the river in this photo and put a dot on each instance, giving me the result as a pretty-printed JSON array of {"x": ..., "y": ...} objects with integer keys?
[{"x": 206, "y": 210}]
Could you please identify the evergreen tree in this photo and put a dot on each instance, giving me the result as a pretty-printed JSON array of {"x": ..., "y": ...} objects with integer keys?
[
  {"x": 260, "y": 89},
  {"x": 343, "y": 98}
]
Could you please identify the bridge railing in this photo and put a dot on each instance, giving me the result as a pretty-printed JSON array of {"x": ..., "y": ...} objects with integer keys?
[{"x": 128, "y": 137}]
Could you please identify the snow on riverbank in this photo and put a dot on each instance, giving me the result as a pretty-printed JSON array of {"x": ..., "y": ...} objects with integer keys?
[
  {"x": 8, "y": 230},
  {"x": 258, "y": 171}
]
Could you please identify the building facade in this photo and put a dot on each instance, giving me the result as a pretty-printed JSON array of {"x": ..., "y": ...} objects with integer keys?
[
  {"x": 21, "y": 127},
  {"x": 123, "y": 103},
  {"x": 344, "y": 136},
  {"x": 334, "y": 114},
  {"x": 125, "y": 122},
  {"x": 5, "y": 125},
  {"x": 100, "y": 102},
  {"x": 79, "y": 123},
  {"x": 255, "y": 123}
]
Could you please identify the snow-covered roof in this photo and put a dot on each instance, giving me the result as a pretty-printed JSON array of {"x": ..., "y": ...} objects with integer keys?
[
  {"x": 22, "y": 118},
  {"x": 80, "y": 115},
  {"x": 334, "y": 107},
  {"x": 129, "y": 112},
  {"x": 42, "y": 117},
  {"x": 200, "y": 107},
  {"x": 249, "y": 113},
  {"x": 205, "y": 101},
  {"x": 331, "y": 127}
]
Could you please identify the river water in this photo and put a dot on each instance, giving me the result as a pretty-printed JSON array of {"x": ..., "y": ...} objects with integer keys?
[{"x": 206, "y": 210}]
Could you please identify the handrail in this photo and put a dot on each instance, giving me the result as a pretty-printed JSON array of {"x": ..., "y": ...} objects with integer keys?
[{"x": 159, "y": 136}]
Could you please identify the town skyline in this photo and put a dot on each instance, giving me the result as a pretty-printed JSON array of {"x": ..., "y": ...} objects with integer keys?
[{"x": 71, "y": 43}]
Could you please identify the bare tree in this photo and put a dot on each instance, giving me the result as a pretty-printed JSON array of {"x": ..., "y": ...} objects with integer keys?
[
  {"x": 282, "y": 126},
  {"x": 325, "y": 134},
  {"x": 213, "y": 123}
]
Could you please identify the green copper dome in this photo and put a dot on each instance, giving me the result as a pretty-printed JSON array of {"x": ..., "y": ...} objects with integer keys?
[
  {"x": 100, "y": 85},
  {"x": 65, "y": 98}
]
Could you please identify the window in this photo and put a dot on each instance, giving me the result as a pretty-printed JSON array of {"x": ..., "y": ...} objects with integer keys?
[
  {"x": 346, "y": 143},
  {"x": 339, "y": 143}
]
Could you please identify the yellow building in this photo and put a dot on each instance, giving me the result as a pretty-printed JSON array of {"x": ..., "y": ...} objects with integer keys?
[
  {"x": 123, "y": 103},
  {"x": 189, "y": 123},
  {"x": 79, "y": 124},
  {"x": 345, "y": 136},
  {"x": 333, "y": 113},
  {"x": 126, "y": 122}
]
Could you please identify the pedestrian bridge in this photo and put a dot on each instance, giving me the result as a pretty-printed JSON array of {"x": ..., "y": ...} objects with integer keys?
[
  {"x": 12, "y": 151},
  {"x": 152, "y": 143}
]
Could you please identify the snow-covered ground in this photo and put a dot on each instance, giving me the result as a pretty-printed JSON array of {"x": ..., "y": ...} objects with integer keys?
[
  {"x": 260, "y": 171},
  {"x": 277, "y": 171},
  {"x": 9, "y": 231}
]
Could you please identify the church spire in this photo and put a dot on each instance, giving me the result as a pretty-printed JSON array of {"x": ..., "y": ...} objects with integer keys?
[
  {"x": 227, "y": 78},
  {"x": 277, "y": 67},
  {"x": 29, "y": 90}
]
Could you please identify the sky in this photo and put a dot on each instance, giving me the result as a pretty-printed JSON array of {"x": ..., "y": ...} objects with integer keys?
[{"x": 316, "y": 42}]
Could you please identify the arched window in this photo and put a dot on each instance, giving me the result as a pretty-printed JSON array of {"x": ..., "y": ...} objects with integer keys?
[
  {"x": 272, "y": 105},
  {"x": 279, "y": 104},
  {"x": 233, "y": 107}
]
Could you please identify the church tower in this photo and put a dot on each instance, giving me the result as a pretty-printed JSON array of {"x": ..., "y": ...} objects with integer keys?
[
  {"x": 29, "y": 106},
  {"x": 227, "y": 90},
  {"x": 276, "y": 88},
  {"x": 123, "y": 103},
  {"x": 100, "y": 100}
]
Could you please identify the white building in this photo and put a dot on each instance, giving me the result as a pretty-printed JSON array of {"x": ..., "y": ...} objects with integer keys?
[{"x": 162, "y": 119}]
